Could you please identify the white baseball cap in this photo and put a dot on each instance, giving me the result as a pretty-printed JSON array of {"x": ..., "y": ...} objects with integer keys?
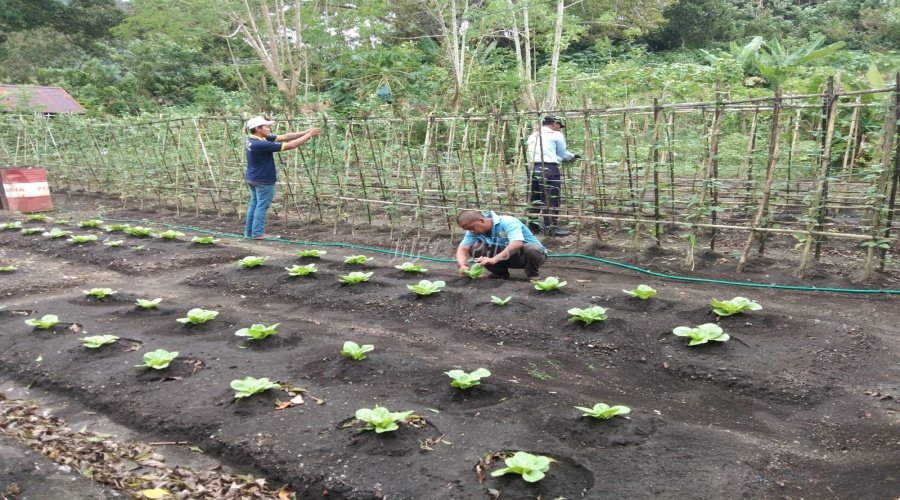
[{"x": 257, "y": 121}]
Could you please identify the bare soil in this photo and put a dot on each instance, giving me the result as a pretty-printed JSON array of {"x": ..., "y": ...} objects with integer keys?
[{"x": 802, "y": 402}]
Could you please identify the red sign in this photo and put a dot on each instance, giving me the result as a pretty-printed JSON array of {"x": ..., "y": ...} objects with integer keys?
[{"x": 25, "y": 190}]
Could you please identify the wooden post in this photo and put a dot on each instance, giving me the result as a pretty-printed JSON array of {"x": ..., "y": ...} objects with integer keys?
[{"x": 895, "y": 184}]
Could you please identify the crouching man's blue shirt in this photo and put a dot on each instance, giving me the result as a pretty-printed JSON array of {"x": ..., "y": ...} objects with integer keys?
[{"x": 504, "y": 230}]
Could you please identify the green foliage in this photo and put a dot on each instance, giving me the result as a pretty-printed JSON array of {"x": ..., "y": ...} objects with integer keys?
[
  {"x": 45, "y": 323},
  {"x": 702, "y": 334},
  {"x": 56, "y": 233},
  {"x": 548, "y": 284},
  {"x": 355, "y": 277},
  {"x": 475, "y": 272},
  {"x": 30, "y": 230},
  {"x": 357, "y": 259},
  {"x": 99, "y": 293},
  {"x": 113, "y": 243},
  {"x": 116, "y": 227},
  {"x": 138, "y": 231},
  {"x": 7, "y": 269},
  {"x": 80, "y": 239},
  {"x": 642, "y": 292},
  {"x": 298, "y": 270},
  {"x": 148, "y": 304},
  {"x": 91, "y": 223},
  {"x": 258, "y": 331},
  {"x": 500, "y": 301},
  {"x": 603, "y": 411},
  {"x": 98, "y": 341},
  {"x": 463, "y": 380},
  {"x": 204, "y": 240},
  {"x": 588, "y": 315},
  {"x": 252, "y": 261},
  {"x": 171, "y": 234},
  {"x": 197, "y": 316},
  {"x": 158, "y": 359},
  {"x": 733, "y": 306},
  {"x": 9, "y": 226},
  {"x": 311, "y": 253},
  {"x": 531, "y": 467},
  {"x": 409, "y": 267},
  {"x": 426, "y": 287},
  {"x": 249, "y": 386},
  {"x": 355, "y": 351},
  {"x": 380, "y": 419}
]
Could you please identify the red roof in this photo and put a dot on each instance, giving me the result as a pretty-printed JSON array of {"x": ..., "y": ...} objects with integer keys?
[{"x": 41, "y": 99}]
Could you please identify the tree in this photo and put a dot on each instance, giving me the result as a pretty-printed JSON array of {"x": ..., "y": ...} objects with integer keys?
[{"x": 696, "y": 23}]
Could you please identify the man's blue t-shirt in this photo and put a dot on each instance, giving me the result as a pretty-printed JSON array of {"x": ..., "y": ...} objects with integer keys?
[
  {"x": 260, "y": 159},
  {"x": 504, "y": 230}
]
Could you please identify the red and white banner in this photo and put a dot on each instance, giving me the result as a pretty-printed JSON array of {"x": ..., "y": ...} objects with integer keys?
[{"x": 25, "y": 190}]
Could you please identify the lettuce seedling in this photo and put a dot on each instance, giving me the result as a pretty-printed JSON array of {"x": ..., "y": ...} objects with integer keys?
[
  {"x": 9, "y": 226},
  {"x": 252, "y": 261},
  {"x": 45, "y": 323},
  {"x": 113, "y": 243},
  {"x": 702, "y": 334},
  {"x": 311, "y": 253},
  {"x": 138, "y": 231},
  {"x": 257, "y": 331},
  {"x": 463, "y": 380},
  {"x": 500, "y": 302},
  {"x": 548, "y": 284},
  {"x": 30, "y": 230},
  {"x": 116, "y": 227},
  {"x": 355, "y": 277},
  {"x": 380, "y": 419},
  {"x": 90, "y": 223},
  {"x": 249, "y": 386},
  {"x": 356, "y": 351},
  {"x": 642, "y": 292},
  {"x": 100, "y": 293},
  {"x": 171, "y": 234},
  {"x": 603, "y": 411},
  {"x": 204, "y": 240},
  {"x": 588, "y": 315},
  {"x": 147, "y": 304},
  {"x": 357, "y": 259},
  {"x": 7, "y": 269},
  {"x": 426, "y": 287},
  {"x": 37, "y": 217},
  {"x": 158, "y": 359},
  {"x": 298, "y": 270},
  {"x": 733, "y": 306},
  {"x": 409, "y": 267},
  {"x": 98, "y": 341},
  {"x": 82, "y": 238},
  {"x": 531, "y": 467},
  {"x": 61, "y": 222},
  {"x": 475, "y": 272},
  {"x": 198, "y": 316},
  {"x": 56, "y": 233}
]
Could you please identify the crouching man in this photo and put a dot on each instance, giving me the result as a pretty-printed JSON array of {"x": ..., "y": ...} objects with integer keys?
[{"x": 499, "y": 243}]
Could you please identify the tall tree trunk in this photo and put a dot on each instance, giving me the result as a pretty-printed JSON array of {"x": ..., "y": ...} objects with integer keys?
[
  {"x": 550, "y": 99},
  {"x": 523, "y": 57}
]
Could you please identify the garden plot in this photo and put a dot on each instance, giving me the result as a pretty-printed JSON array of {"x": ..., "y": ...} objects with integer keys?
[{"x": 801, "y": 400}]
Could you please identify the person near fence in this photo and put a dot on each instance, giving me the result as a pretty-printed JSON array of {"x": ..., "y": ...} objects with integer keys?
[
  {"x": 546, "y": 149},
  {"x": 261, "y": 146},
  {"x": 499, "y": 243}
]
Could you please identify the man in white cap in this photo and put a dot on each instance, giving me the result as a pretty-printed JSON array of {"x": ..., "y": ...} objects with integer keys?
[{"x": 260, "y": 147}]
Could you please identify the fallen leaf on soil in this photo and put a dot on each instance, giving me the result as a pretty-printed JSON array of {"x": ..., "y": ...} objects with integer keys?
[
  {"x": 281, "y": 405},
  {"x": 75, "y": 327},
  {"x": 196, "y": 449},
  {"x": 156, "y": 493},
  {"x": 134, "y": 347},
  {"x": 495, "y": 494},
  {"x": 285, "y": 494}
]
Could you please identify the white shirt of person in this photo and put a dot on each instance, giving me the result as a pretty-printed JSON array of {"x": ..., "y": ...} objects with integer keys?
[{"x": 548, "y": 146}]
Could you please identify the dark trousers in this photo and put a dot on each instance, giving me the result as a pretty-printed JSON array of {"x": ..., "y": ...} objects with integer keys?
[
  {"x": 530, "y": 258},
  {"x": 546, "y": 186}
]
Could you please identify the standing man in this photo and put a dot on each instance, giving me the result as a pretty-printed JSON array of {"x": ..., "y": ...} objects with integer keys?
[
  {"x": 499, "y": 243},
  {"x": 546, "y": 150},
  {"x": 261, "y": 145}
]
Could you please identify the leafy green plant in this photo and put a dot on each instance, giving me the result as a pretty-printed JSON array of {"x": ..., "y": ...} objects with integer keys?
[
  {"x": 882, "y": 244},
  {"x": 9, "y": 226},
  {"x": 475, "y": 272},
  {"x": 733, "y": 306},
  {"x": 116, "y": 227},
  {"x": 99, "y": 293},
  {"x": 158, "y": 359},
  {"x": 138, "y": 231},
  {"x": 56, "y": 233},
  {"x": 252, "y": 261},
  {"x": 258, "y": 331},
  {"x": 381, "y": 419},
  {"x": 113, "y": 243},
  {"x": 90, "y": 223},
  {"x": 311, "y": 253},
  {"x": 500, "y": 301},
  {"x": 204, "y": 240},
  {"x": 147, "y": 304},
  {"x": 7, "y": 269},
  {"x": 642, "y": 292},
  {"x": 298, "y": 270},
  {"x": 702, "y": 334},
  {"x": 37, "y": 217},
  {"x": 548, "y": 284},
  {"x": 357, "y": 259},
  {"x": 61, "y": 222},
  {"x": 47, "y": 322},
  {"x": 30, "y": 230},
  {"x": 463, "y": 380},
  {"x": 531, "y": 467},
  {"x": 98, "y": 341},
  {"x": 80, "y": 239},
  {"x": 197, "y": 316},
  {"x": 409, "y": 267},
  {"x": 425, "y": 287},
  {"x": 249, "y": 386},
  {"x": 603, "y": 411},
  {"x": 171, "y": 234},
  {"x": 355, "y": 277},
  {"x": 356, "y": 351},
  {"x": 588, "y": 315}
]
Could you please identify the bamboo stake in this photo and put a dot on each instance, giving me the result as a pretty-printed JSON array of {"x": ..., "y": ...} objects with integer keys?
[
  {"x": 895, "y": 184},
  {"x": 751, "y": 151}
]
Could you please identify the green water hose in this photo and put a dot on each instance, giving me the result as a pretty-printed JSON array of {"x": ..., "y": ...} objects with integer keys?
[{"x": 608, "y": 262}]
